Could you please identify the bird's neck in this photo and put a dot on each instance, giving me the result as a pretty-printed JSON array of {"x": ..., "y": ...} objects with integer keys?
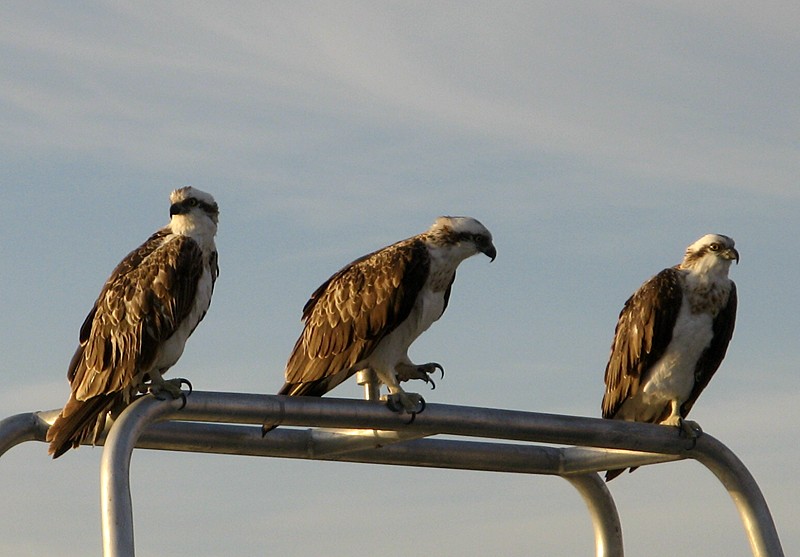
[
  {"x": 201, "y": 230},
  {"x": 707, "y": 288}
]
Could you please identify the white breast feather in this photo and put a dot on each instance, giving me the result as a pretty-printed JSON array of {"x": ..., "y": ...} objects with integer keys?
[
  {"x": 393, "y": 349},
  {"x": 172, "y": 349},
  {"x": 672, "y": 377},
  {"x": 428, "y": 307}
]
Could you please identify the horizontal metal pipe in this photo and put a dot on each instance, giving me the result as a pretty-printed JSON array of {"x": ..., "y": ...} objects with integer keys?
[
  {"x": 218, "y": 439},
  {"x": 301, "y": 443},
  {"x": 599, "y": 437},
  {"x": 578, "y": 460},
  {"x": 439, "y": 453},
  {"x": 437, "y": 418}
]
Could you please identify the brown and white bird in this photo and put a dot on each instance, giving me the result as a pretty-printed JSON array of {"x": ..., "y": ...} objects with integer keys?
[
  {"x": 139, "y": 324},
  {"x": 368, "y": 313},
  {"x": 671, "y": 337}
]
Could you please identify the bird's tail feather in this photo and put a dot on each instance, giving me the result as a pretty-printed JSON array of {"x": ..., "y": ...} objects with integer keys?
[
  {"x": 80, "y": 421},
  {"x": 611, "y": 474},
  {"x": 311, "y": 388}
]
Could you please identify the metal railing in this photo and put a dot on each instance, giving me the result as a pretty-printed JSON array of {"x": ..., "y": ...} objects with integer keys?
[{"x": 368, "y": 432}]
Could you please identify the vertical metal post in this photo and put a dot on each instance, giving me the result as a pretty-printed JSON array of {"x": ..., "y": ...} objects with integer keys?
[
  {"x": 116, "y": 508},
  {"x": 372, "y": 387},
  {"x": 605, "y": 518}
]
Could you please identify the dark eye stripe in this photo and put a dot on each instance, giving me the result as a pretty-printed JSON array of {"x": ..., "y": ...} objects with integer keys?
[
  {"x": 207, "y": 207},
  {"x": 468, "y": 236}
]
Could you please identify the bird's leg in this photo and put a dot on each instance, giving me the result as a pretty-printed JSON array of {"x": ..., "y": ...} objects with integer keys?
[{"x": 406, "y": 372}]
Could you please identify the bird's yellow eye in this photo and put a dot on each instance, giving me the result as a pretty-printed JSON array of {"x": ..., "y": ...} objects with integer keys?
[
  {"x": 714, "y": 247},
  {"x": 192, "y": 202}
]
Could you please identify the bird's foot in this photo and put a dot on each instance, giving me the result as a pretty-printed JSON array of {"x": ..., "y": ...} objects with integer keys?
[
  {"x": 689, "y": 430},
  {"x": 401, "y": 401},
  {"x": 172, "y": 387},
  {"x": 423, "y": 371}
]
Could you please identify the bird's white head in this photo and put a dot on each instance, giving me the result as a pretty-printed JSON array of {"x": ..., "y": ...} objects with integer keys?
[
  {"x": 711, "y": 254},
  {"x": 464, "y": 235},
  {"x": 193, "y": 212}
]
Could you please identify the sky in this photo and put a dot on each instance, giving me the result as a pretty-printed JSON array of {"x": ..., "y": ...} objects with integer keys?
[{"x": 596, "y": 140}]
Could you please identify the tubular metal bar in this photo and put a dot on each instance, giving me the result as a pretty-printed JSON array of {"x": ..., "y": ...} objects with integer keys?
[
  {"x": 116, "y": 510},
  {"x": 455, "y": 454},
  {"x": 744, "y": 491},
  {"x": 372, "y": 388},
  {"x": 479, "y": 422},
  {"x": 20, "y": 428},
  {"x": 232, "y": 408},
  {"x": 436, "y": 419},
  {"x": 605, "y": 518},
  {"x": 433, "y": 453}
]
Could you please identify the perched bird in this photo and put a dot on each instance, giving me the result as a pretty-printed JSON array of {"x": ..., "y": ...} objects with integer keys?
[
  {"x": 671, "y": 337},
  {"x": 139, "y": 324},
  {"x": 368, "y": 313}
]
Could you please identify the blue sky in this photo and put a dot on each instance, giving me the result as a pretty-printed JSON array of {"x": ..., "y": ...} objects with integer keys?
[{"x": 595, "y": 140}]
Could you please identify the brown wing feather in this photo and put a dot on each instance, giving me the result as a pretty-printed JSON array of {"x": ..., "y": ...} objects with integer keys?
[
  {"x": 349, "y": 314},
  {"x": 642, "y": 334},
  {"x": 712, "y": 357},
  {"x": 140, "y": 306}
]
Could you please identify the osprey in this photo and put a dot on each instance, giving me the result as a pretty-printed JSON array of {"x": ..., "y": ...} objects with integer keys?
[
  {"x": 368, "y": 313},
  {"x": 139, "y": 324},
  {"x": 671, "y": 337}
]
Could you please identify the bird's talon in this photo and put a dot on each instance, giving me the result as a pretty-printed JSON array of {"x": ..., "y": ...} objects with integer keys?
[
  {"x": 691, "y": 431},
  {"x": 183, "y": 381},
  {"x": 410, "y": 403}
]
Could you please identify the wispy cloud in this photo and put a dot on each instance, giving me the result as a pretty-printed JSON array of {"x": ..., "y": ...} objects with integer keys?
[
  {"x": 596, "y": 140},
  {"x": 624, "y": 90}
]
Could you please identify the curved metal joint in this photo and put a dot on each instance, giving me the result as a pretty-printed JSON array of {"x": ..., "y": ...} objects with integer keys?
[
  {"x": 115, "y": 492},
  {"x": 19, "y": 428},
  {"x": 746, "y": 495},
  {"x": 603, "y": 511}
]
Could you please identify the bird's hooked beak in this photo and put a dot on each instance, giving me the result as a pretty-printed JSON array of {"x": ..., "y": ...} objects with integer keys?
[
  {"x": 178, "y": 209},
  {"x": 730, "y": 254},
  {"x": 489, "y": 251}
]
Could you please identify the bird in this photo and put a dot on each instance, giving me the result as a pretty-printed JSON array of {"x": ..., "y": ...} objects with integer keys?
[
  {"x": 367, "y": 314},
  {"x": 671, "y": 337},
  {"x": 140, "y": 322}
]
